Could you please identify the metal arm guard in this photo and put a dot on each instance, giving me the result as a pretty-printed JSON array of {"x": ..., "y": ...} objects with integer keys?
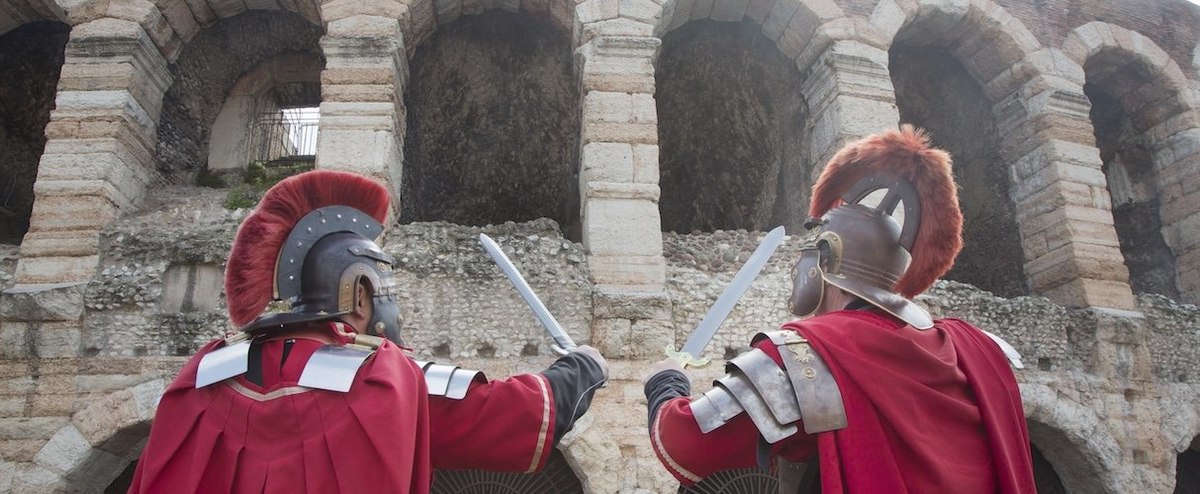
[
  {"x": 450, "y": 381},
  {"x": 774, "y": 398}
]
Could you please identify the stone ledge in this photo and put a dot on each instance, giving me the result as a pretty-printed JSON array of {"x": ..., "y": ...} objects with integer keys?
[{"x": 51, "y": 302}]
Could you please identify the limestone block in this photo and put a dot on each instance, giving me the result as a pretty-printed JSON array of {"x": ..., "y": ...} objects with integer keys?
[
  {"x": 58, "y": 339},
  {"x": 56, "y": 302},
  {"x": 645, "y": 11},
  {"x": 72, "y": 213},
  {"x": 634, "y": 133},
  {"x": 607, "y": 106},
  {"x": 66, "y": 243},
  {"x": 757, "y": 10},
  {"x": 102, "y": 418},
  {"x": 56, "y": 269},
  {"x": 632, "y": 305},
  {"x": 342, "y": 9},
  {"x": 16, "y": 340},
  {"x": 101, "y": 167},
  {"x": 362, "y": 28},
  {"x": 608, "y": 335},
  {"x": 729, "y": 10},
  {"x": 610, "y": 81},
  {"x": 597, "y": 10},
  {"x": 35, "y": 479},
  {"x": 630, "y": 272},
  {"x": 607, "y": 162},
  {"x": 201, "y": 10},
  {"x": 614, "y": 226},
  {"x": 30, "y": 427},
  {"x": 681, "y": 14},
  {"x": 779, "y": 18},
  {"x": 645, "y": 164},
  {"x": 227, "y": 8},
  {"x": 103, "y": 105},
  {"x": 447, "y": 10},
  {"x": 702, "y": 9},
  {"x": 7, "y": 472},
  {"x": 66, "y": 450},
  {"x": 381, "y": 93},
  {"x": 146, "y": 397},
  {"x": 614, "y": 27}
]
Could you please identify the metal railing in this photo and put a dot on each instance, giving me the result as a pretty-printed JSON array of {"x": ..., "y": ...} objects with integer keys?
[{"x": 287, "y": 134}]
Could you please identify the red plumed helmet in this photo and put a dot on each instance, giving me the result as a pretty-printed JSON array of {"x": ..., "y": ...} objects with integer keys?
[
  {"x": 906, "y": 154},
  {"x": 856, "y": 240},
  {"x": 250, "y": 274}
]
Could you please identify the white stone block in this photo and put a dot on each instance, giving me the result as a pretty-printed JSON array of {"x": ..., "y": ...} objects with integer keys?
[
  {"x": 613, "y": 227},
  {"x": 641, "y": 10},
  {"x": 606, "y": 106},
  {"x": 64, "y": 451},
  {"x": 607, "y": 162}
]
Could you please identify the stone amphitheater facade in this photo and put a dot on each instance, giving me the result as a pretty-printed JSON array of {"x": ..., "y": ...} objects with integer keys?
[{"x": 628, "y": 154}]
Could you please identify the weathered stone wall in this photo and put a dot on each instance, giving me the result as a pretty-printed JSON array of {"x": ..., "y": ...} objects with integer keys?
[{"x": 119, "y": 275}]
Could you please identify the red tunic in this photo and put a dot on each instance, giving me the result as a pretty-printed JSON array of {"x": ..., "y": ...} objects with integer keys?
[
  {"x": 928, "y": 411},
  {"x": 383, "y": 435}
]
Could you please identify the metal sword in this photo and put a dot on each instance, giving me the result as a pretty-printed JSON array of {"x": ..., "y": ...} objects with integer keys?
[
  {"x": 565, "y": 344},
  {"x": 690, "y": 353}
]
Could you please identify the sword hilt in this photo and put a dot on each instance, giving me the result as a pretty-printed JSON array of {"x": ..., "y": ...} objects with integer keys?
[{"x": 685, "y": 359}]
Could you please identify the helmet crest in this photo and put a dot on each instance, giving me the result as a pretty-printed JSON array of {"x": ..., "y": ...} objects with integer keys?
[{"x": 250, "y": 273}]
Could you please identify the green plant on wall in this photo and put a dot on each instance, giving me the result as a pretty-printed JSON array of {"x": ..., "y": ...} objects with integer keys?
[{"x": 260, "y": 176}]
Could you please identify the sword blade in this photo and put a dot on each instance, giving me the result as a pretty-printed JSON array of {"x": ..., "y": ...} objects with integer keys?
[
  {"x": 729, "y": 298},
  {"x": 535, "y": 304}
]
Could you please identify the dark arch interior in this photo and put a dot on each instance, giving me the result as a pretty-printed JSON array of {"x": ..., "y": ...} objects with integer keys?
[
  {"x": 732, "y": 133},
  {"x": 210, "y": 65},
  {"x": 1127, "y": 157},
  {"x": 935, "y": 92},
  {"x": 1187, "y": 470},
  {"x": 493, "y": 124},
  {"x": 32, "y": 57}
]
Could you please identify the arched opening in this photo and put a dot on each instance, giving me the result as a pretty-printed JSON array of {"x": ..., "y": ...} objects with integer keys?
[
  {"x": 1187, "y": 469},
  {"x": 240, "y": 68},
  {"x": 493, "y": 124},
  {"x": 733, "y": 138},
  {"x": 32, "y": 57},
  {"x": 934, "y": 91},
  {"x": 555, "y": 478},
  {"x": 1044, "y": 476},
  {"x": 1122, "y": 95},
  {"x": 269, "y": 119}
]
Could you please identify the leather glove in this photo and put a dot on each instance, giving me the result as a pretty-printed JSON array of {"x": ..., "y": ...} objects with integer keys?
[
  {"x": 594, "y": 354},
  {"x": 667, "y": 364}
]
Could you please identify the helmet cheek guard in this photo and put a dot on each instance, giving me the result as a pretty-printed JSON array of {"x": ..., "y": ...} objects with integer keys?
[{"x": 808, "y": 286}]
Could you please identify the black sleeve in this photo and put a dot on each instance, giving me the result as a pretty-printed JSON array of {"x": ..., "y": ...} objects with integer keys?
[
  {"x": 573, "y": 378},
  {"x": 663, "y": 387}
]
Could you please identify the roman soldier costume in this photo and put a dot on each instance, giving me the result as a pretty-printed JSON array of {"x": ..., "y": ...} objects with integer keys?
[
  {"x": 303, "y": 401},
  {"x": 877, "y": 396}
]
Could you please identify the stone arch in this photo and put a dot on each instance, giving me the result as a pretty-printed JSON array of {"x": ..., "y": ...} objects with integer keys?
[
  {"x": 477, "y": 93},
  {"x": 98, "y": 443},
  {"x": 734, "y": 130},
  {"x": 791, "y": 24},
  {"x": 34, "y": 53},
  {"x": 1073, "y": 439},
  {"x": 1146, "y": 121},
  {"x": 288, "y": 80},
  {"x": 208, "y": 68},
  {"x": 426, "y": 16},
  {"x": 947, "y": 61},
  {"x": 21, "y": 12}
]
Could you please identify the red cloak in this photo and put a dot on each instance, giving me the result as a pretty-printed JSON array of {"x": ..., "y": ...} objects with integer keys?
[
  {"x": 235, "y": 436},
  {"x": 928, "y": 411}
]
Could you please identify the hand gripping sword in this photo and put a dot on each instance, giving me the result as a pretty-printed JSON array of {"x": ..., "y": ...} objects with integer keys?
[
  {"x": 563, "y": 340},
  {"x": 690, "y": 354}
]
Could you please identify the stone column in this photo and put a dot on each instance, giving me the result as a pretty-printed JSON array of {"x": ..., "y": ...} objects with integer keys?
[
  {"x": 849, "y": 93},
  {"x": 622, "y": 230},
  {"x": 99, "y": 153},
  {"x": 98, "y": 160},
  {"x": 362, "y": 104},
  {"x": 1064, "y": 214},
  {"x": 1180, "y": 185}
]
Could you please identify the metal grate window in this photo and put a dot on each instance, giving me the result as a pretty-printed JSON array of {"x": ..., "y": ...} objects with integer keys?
[{"x": 288, "y": 134}]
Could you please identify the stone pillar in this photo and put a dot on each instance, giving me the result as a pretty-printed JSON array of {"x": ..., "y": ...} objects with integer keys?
[
  {"x": 1064, "y": 214},
  {"x": 362, "y": 104},
  {"x": 622, "y": 230},
  {"x": 98, "y": 161},
  {"x": 849, "y": 93},
  {"x": 1180, "y": 188},
  {"x": 99, "y": 154}
]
